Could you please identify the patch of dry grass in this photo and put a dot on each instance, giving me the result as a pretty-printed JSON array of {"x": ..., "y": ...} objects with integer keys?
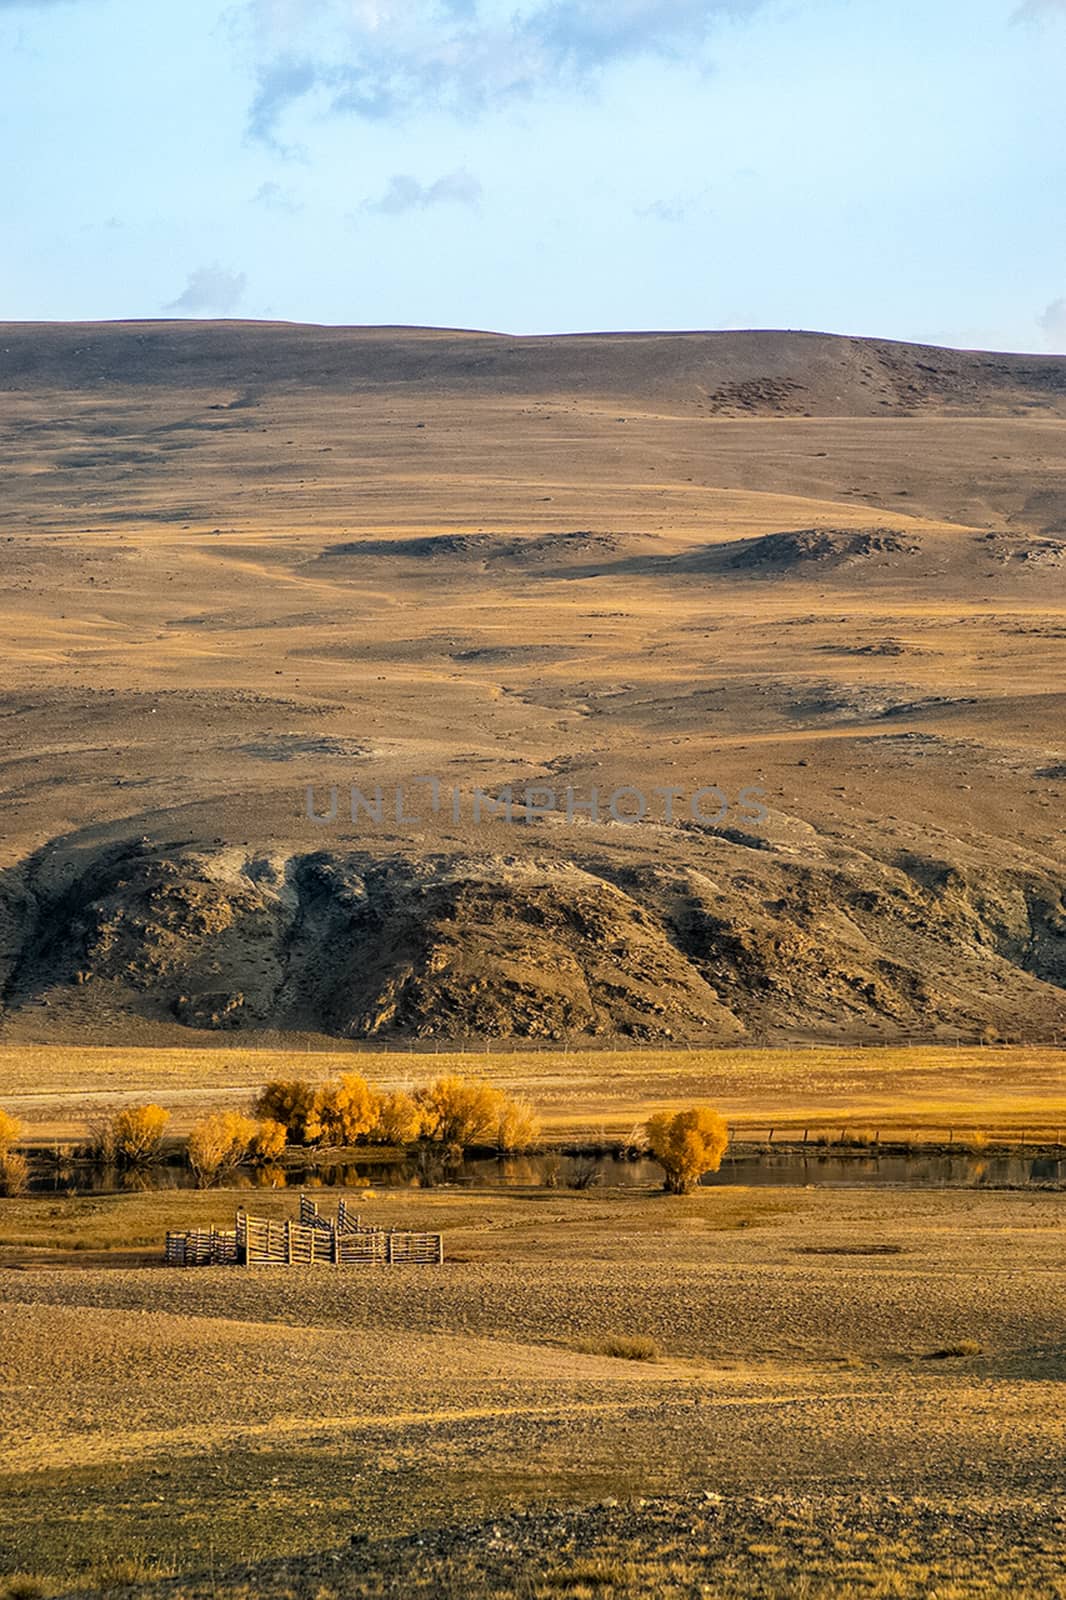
[
  {"x": 962, "y": 1347},
  {"x": 623, "y": 1347},
  {"x": 998, "y": 1092}
]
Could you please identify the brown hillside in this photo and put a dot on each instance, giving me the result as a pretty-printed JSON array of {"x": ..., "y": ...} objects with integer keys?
[{"x": 242, "y": 559}]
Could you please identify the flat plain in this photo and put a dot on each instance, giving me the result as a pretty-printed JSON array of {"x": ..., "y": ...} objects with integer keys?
[
  {"x": 886, "y": 1365},
  {"x": 926, "y": 1093}
]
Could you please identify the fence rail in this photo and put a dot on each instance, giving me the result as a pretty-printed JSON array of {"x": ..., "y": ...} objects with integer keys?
[{"x": 312, "y": 1241}]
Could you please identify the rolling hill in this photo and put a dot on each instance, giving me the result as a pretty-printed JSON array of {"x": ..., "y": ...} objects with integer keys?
[{"x": 242, "y": 560}]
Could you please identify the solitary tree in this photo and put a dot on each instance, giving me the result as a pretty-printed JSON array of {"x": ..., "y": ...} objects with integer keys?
[{"x": 686, "y": 1145}]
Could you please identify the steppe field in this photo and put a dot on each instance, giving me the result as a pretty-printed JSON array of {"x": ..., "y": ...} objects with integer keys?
[{"x": 817, "y": 583}]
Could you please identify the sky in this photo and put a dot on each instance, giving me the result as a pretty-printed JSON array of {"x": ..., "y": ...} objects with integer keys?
[{"x": 537, "y": 166}]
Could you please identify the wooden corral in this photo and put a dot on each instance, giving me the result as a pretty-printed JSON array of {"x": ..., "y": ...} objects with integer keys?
[{"x": 311, "y": 1241}]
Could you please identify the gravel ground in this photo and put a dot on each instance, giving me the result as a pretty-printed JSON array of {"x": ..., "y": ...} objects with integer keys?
[
  {"x": 685, "y": 1548},
  {"x": 155, "y": 1420}
]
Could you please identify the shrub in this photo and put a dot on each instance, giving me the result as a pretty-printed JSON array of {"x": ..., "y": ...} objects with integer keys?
[
  {"x": 965, "y": 1347},
  {"x": 584, "y": 1173},
  {"x": 624, "y": 1346},
  {"x": 138, "y": 1133},
  {"x": 220, "y": 1142},
  {"x": 296, "y": 1105},
  {"x": 460, "y": 1112},
  {"x": 268, "y": 1142},
  {"x": 101, "y": 1142},
  {"x": 14, "y": 1175},
  {"x": 10, "y": 1132},
  {"x": 347, "y": 1109},
  {"x": 686, "y": 1145},
  {"x": 400, "y": 1120},
  {"x": 21, "y": 1586},
  {"x": 518, "y": 1127}
]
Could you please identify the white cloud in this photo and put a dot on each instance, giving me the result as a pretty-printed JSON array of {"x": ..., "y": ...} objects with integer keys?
[
  {"x": 210, "y": 289},
  {"x": 1033, "y": 10},
  {"x": 405, "y": 193},
  {"x": 663, "y": 211},
  {"x": 280, "y": 83},
  {"x": 276, "y": 198},
  {"x": 381, "y": 59}
]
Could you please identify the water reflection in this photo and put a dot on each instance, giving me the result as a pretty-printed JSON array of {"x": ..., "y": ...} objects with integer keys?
[{"x": 426, "y": 1169}]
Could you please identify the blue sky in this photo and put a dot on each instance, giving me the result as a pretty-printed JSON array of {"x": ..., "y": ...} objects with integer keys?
[{"x": 854, "y": 166}]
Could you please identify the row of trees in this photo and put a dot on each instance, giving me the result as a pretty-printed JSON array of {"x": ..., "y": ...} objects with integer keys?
[
  {"x": 457, "y": 1112},
  {"x": 454, "y": 1112}
]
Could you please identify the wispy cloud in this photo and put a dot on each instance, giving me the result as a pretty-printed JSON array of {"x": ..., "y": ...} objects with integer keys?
[
  {"x": 405, "y": 193},
  {"x": 280, "y": 83},
  {"x": 276, "y": 198},
  {"x": 663, "y": 211},
  {"x": 1033, "y": 10},
  {"x": 384, "y": 59},
  {"x": 210, "y": 289}
]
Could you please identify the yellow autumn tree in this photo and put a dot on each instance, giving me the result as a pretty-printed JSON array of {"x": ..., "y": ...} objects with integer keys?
[
  {"x": 14, "y": 1169},
  {"x": 296, "y": 1104},
  {"x": 10, "y": 1132},
  {"x": 347, "y": 1109},
  {"x": 464, "y": 1112},
  {"x": 268, "y": 1142},
  {"x": 518, "y": 1127},
  {"x": 400, "y": 1120},
  {"x": 687, "y": 1144},
  {"x": 219, "y": 1142},
  {"x": 459, "y": 1111},
  {"x": 137, "y": 1133}
]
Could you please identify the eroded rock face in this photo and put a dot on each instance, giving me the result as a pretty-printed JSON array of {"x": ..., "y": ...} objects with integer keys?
[
  {"x": 774, "y": 946},
  {"x": 823, "y": 547}
]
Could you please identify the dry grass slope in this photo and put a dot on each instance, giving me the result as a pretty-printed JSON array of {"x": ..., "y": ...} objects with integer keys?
[{"x": 244, "y": 558}]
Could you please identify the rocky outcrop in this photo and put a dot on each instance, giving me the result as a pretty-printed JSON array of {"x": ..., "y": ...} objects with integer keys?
[{"x": 773, "y": 946}]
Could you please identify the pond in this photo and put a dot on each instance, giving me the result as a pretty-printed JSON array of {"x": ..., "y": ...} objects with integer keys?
[{"x": 756, "y": 1167}]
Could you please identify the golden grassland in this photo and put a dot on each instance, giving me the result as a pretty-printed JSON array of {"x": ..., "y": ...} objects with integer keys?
[
  {"x": 925, "y": 1091},
  {"x": 212, "y": 1424}
]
